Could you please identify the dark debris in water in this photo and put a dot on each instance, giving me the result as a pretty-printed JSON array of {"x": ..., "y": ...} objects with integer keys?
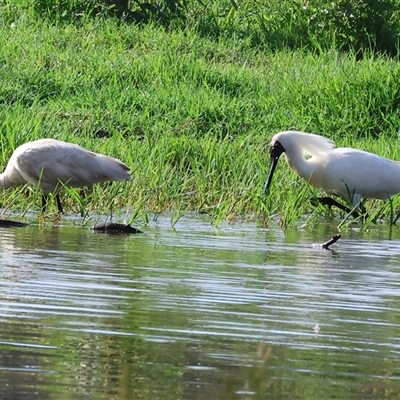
[
  {"x": 330, "y": 242},
  {"x": 115, "y": 228},
  {"x": 8, "y": 223}
]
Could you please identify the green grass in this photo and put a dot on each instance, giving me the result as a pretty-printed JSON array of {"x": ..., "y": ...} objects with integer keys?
[{"x": 191, "y": 115}]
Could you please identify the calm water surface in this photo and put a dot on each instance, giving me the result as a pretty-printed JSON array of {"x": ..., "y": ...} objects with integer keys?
[{"x": 237, "y": 312}]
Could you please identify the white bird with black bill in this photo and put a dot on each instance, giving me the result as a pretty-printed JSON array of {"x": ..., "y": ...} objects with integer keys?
[{"x": 346, "y": 172}]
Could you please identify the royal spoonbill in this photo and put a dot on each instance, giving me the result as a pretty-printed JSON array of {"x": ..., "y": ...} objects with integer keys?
[
  {"x": 350, "y": 173},
  {"x": 51, "y": 163}
]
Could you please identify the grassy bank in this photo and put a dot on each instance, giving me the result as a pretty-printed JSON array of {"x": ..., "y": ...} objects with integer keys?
[{"x": 192, "y": 116}]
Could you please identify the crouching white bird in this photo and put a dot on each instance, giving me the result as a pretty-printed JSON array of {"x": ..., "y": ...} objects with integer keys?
[
  {"x": 51, "y": 163},
  {"x": 350, "y": 173}
]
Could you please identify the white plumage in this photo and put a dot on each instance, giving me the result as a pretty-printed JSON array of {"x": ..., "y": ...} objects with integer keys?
[
  {"x": 350, "y": 173},
  {"x": 51, "y": 163}
]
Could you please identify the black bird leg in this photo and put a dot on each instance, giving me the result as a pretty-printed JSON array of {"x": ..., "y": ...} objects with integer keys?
[
  {"x": 328, "y": 201},
  {"x": 44, "y": 202},
  {"x": 59, "y": 206}
]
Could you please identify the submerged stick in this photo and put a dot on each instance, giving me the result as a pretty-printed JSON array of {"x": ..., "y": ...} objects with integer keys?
[
  {"x": 113, "y": 227},
  {"x": 8, "y": 223},
  {"x": 330, "y": 242}
]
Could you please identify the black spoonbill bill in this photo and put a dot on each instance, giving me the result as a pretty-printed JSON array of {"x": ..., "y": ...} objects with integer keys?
[
  {"x": 51, "y": 163},
  {"x": 350, "y": 173}
]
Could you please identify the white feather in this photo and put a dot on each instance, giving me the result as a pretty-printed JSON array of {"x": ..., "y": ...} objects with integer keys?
[{"x": 310, "y": 144}]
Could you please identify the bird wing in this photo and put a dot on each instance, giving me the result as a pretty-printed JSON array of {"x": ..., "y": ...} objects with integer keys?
[
  {"x": 351, "y": 171},
  {"x": 83, "y": 168}
]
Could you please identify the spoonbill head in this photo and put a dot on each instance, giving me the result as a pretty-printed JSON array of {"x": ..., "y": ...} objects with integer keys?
[
  {"x": 350, "y": 173},
  {"x": 50, "y": 164}
]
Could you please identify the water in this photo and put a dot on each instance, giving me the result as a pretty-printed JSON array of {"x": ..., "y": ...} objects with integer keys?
[{"x": 199, "y": 313}]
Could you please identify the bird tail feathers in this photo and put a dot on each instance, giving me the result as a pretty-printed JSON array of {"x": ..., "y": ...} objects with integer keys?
[{"x": 114, "y": 170}]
